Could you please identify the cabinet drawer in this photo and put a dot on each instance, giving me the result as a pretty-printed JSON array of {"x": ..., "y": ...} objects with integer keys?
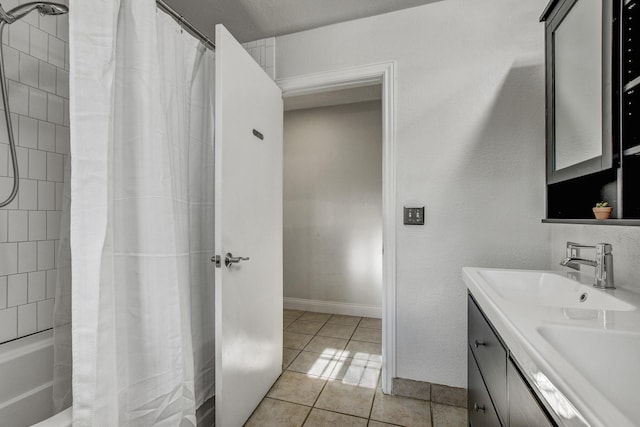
[
  {"x": 481, "y": 410},
  {"x": 524, "y": 409},
  {"x": 491, "y": 357}
]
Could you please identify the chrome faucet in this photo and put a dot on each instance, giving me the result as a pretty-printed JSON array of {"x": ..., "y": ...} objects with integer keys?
[{"x": 603, "y": 262}]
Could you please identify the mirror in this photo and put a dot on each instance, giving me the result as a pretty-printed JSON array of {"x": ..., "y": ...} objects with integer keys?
[
  {"x": 579, "y": 137},
  {"x": 578, "y": 85}
]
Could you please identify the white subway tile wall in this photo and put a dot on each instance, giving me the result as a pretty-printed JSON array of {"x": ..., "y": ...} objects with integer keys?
[
  {"x": 3, "y": 292},
  {"x": 264, "y": 52},
  {"x": 36, "y": 63}
]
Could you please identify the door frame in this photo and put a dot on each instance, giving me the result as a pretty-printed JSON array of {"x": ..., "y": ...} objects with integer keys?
[{"x": 345, "y": 78}]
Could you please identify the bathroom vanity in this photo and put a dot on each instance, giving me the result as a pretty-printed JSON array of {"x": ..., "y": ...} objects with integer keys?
[
  {"x": 547, "y": 348},
  {"x": 494, "y": 377}
]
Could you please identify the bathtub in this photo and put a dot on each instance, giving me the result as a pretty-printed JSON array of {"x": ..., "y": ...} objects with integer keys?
[{"x": 26, "y": 373}]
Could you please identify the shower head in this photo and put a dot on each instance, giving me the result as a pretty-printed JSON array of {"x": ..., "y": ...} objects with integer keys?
[
  {"x": 52, "y": 9},
  {"x": 44, "y": 8}
]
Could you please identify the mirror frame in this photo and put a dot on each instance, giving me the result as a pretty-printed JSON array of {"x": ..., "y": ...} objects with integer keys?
[{"x": 554, "y": 15}]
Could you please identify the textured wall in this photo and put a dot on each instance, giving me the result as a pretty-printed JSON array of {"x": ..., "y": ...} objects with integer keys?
[
  {"x": 470, "y": 146},
  {"x": 35, "y": 51},
  {"x": 333, "y": 204}
]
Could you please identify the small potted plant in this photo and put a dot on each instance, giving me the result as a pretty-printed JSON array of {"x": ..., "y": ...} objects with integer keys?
[{"x": 602, "y": 210}]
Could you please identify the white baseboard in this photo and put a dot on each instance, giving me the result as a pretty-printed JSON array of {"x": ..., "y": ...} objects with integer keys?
[{"x": 347, "y": 309}]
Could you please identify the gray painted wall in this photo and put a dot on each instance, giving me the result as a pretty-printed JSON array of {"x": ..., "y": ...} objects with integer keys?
[{"x": 333, "y": 204}]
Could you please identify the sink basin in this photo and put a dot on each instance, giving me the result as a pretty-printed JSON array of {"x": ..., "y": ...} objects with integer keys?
[
  {"x": 607, "y": 359},
  {"x": 576, "y": 344},
  {"x": 550, "y": 290}
]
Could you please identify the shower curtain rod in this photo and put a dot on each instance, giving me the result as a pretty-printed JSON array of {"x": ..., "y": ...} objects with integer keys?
[{"x": 186, "y": 24}]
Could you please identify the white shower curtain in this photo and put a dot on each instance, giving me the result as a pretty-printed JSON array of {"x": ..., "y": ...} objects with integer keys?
[
  {"x": 62, "y": 368},
  {"x": 141, "y": 216}
]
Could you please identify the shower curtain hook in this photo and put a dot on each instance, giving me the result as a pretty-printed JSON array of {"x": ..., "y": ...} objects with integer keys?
[{"x": 181, "y": 24}]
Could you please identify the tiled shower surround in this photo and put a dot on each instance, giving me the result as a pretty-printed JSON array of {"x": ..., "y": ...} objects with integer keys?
[
  {"x": 36, "y": 64},
  {"x": 264, "y": 53}
]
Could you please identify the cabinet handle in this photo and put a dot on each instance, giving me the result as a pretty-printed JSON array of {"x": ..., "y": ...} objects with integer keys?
[
  {"x": 479, "y": 343},
  {"x": 478, "y": 408}
]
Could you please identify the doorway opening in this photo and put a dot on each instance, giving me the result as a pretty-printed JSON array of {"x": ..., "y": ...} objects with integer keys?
[{"x": 339, "y": 224}]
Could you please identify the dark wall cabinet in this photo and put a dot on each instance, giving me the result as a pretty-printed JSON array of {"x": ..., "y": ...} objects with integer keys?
[
  {"x": 593, "y": 108},
  {"x": 630, "y": 106},
  {"x": 498, "y": 394}
]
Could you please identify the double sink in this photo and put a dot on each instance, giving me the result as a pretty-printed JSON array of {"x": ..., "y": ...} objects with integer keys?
[{"x": 577, "y": 345}]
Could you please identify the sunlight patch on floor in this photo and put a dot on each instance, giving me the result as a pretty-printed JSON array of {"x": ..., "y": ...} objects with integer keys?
[
  {"x": 360, "y": 369},
  {"x": 323, "y": 366}
]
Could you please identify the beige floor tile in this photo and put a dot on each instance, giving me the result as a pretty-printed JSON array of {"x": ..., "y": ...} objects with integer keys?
[
  {"x": 288, "y": 354},
  {"x": 401, "y": 410},
  {"x": 326, "y": 345},
  {"x": 292, "y": 313},
  {"x": 276, "y": 413},
  {"x": 357, "y": 372},
  {"x": 448, "y": 416},
  {"x": 371, "y": 323},
  {"x": 322, "y": 418},
  {"x": 289, "y": 319},
  {"x": 373, "y": 423},
  {"x": 304, "y": 327},
  {"x": 315, "y": 317},
  {"x": 363, "y": 350},
  {"x": 286, "y": 322},
  {"x": 295, "y": 341},
  {"x": 297, "y": 388},
  {"x": 346, "y": 399},
  {"x": 337, "y": 331},
  {"x": 366, "y": 334},
  {"x": 314, "y": 364},
  {"x": 340, "y": 319}
]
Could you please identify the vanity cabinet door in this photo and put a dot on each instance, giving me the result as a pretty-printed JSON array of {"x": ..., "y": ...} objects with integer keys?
[
  {"x": 524, "y": 410},
  {"x": 480, "y": 408},
  {"x": 491, "y": 357}
]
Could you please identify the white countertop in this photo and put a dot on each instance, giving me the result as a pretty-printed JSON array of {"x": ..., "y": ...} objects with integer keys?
[{"x": 579, "y": 359}]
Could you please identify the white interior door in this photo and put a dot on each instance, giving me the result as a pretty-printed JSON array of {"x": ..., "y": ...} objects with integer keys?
[{"x": 248, "y": 223}]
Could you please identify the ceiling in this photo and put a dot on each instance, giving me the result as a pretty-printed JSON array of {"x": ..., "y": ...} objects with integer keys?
[{"x": 250, "y": 20}]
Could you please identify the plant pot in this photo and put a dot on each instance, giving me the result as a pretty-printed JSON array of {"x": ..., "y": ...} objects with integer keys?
[{"x": 602, "y": 213}]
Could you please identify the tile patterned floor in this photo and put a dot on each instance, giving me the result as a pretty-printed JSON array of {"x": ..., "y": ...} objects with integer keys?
[{"x": 331, "y": 377}]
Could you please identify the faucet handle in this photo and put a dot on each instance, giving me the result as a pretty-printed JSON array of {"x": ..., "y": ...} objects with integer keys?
[
  {"x": 603, "y": 248},
  {"x": 573, "y": 250},
  {"x": 604, "y": 268}
]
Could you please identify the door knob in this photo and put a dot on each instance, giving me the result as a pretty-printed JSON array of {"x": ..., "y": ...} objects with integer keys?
[
  {"x": 478, "y": 408},
  {"x": 229, "y": 259}
]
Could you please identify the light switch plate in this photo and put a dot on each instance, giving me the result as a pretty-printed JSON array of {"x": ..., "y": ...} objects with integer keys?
[{"x": 414, "y": 216}]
